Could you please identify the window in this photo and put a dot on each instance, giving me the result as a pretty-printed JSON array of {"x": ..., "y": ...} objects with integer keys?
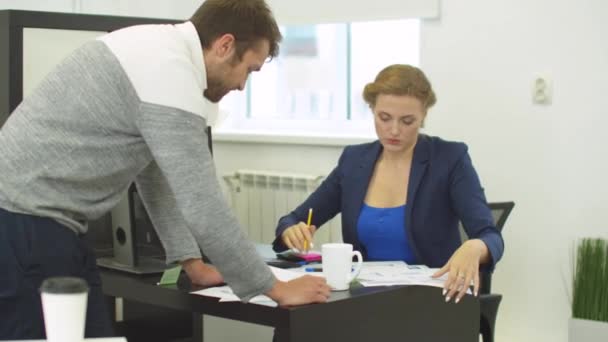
[
  {"x": 307, "y": 80},
  {"x": 316, "y": 82},
  {"x": 375, "y": 45}
]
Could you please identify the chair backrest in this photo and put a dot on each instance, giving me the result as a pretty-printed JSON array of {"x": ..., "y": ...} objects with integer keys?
[{"x": 500, "y": 213}]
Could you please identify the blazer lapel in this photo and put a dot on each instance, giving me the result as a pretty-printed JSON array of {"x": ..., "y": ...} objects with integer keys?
[
  {"x": 358, "y": 184},
  {"x": 417, "y": 172},
  {"x": 418, "y": 168}
]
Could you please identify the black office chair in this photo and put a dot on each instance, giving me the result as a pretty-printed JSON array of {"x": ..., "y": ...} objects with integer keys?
[{"x": 488, "y": 301}]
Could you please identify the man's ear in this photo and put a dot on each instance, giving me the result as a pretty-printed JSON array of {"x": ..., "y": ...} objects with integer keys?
[{"x": 223, "y": 46}]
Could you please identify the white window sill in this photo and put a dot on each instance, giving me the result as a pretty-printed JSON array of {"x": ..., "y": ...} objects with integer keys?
[{"x": 284, "y": 137}]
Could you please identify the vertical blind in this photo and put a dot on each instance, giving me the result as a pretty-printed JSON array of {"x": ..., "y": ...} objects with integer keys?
[{"x": 294, "y": 12}]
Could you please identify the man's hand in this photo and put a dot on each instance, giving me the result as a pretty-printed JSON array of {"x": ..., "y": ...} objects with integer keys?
[
  {"x": 304, "y": 290},
  {"x": 201, "y": 273}
]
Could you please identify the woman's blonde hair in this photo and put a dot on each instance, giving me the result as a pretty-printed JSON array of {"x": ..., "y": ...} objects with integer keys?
[{"x": 400, "y": 79}]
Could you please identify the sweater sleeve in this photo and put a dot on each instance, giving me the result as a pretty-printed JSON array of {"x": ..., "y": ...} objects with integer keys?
[
  {"x": 178, "y": 144},
  {"x": 168, "y": 221}
]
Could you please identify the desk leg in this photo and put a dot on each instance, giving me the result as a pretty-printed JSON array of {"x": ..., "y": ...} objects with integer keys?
[
  {"x": 279, "y": 337},
  {"x": 197, "y": 328}
]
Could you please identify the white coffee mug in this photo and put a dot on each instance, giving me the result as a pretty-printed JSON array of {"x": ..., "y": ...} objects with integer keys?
[
  {"x": 337, "y": 265},
  {"x": 64, "y": 306}
]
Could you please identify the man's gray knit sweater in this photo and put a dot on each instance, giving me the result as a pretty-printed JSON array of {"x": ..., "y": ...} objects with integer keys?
[{"x": 128, "y": 107}]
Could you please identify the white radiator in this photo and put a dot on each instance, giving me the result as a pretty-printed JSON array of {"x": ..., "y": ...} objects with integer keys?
[{"x": 260, "y": 198}]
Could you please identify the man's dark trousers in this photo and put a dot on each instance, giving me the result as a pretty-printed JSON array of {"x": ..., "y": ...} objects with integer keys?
[{"x": 32, "y": 249}]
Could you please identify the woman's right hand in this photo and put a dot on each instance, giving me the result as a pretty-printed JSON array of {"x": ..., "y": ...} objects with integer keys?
[{"x": 294, "y": 236}]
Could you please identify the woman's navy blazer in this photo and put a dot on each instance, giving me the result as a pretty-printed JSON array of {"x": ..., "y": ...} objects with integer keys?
[{"x": 443, "y": 189}]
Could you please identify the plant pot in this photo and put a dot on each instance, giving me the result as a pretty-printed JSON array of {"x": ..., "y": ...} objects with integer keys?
[{"x": 582, "y": 330}]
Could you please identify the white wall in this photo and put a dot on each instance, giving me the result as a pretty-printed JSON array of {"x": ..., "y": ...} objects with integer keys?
[
  {"x": 43, "y": 49},
  {"x": 482, "y": 57},
  {"x": 37, "y": 5}
]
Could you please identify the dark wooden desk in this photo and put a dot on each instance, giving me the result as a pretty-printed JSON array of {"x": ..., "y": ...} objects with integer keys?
[{"x": 400, "y": 313}]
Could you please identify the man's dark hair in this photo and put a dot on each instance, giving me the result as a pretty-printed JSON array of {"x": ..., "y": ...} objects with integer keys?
[{"x": 249, "y": 21}]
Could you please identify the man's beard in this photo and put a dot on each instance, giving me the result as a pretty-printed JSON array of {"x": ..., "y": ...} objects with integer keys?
[
  {"x": 215, "y": 93},
  {"x": 216, "y": 87}
]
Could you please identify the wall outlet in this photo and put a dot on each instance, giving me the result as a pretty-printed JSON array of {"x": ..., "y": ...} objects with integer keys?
[{"x": 541, "y": 90}]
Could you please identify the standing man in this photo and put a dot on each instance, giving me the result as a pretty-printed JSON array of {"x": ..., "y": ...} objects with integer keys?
[{"x": 132, "y": 106}]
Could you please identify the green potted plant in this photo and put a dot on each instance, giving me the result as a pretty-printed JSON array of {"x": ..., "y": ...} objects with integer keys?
[{"x": 589, "y": 321}]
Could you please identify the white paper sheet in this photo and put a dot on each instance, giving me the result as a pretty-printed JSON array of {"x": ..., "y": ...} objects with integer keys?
[
  {"x": 388, "y": 273},
  {"x": 225, "y": 293}
]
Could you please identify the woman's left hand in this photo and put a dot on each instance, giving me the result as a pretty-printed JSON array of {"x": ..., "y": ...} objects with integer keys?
[{"x": 463, "y": 268}]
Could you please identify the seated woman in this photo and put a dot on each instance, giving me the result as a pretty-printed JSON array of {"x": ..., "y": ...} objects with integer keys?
[{"x": 402, "y": 196}]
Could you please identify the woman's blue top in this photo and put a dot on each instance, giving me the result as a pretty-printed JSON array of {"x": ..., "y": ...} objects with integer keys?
[{"x": 383, "y": 233}]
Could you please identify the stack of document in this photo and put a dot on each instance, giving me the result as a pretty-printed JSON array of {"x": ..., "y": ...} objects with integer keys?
[{"x": 388, "y": 273}]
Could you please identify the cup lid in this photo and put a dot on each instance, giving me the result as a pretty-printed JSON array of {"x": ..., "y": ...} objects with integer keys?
[{"x": 60, "y": 285}]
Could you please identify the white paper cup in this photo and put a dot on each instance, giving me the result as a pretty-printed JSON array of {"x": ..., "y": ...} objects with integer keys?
[
  {"x": 337, "y": 265},
  {"x": 64, "y": 305}
]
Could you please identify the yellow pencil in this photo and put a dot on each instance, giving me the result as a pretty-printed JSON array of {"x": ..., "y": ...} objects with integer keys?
[
  {"x": 308, "y": 224},
  {"x": 309, "y": 216}
]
